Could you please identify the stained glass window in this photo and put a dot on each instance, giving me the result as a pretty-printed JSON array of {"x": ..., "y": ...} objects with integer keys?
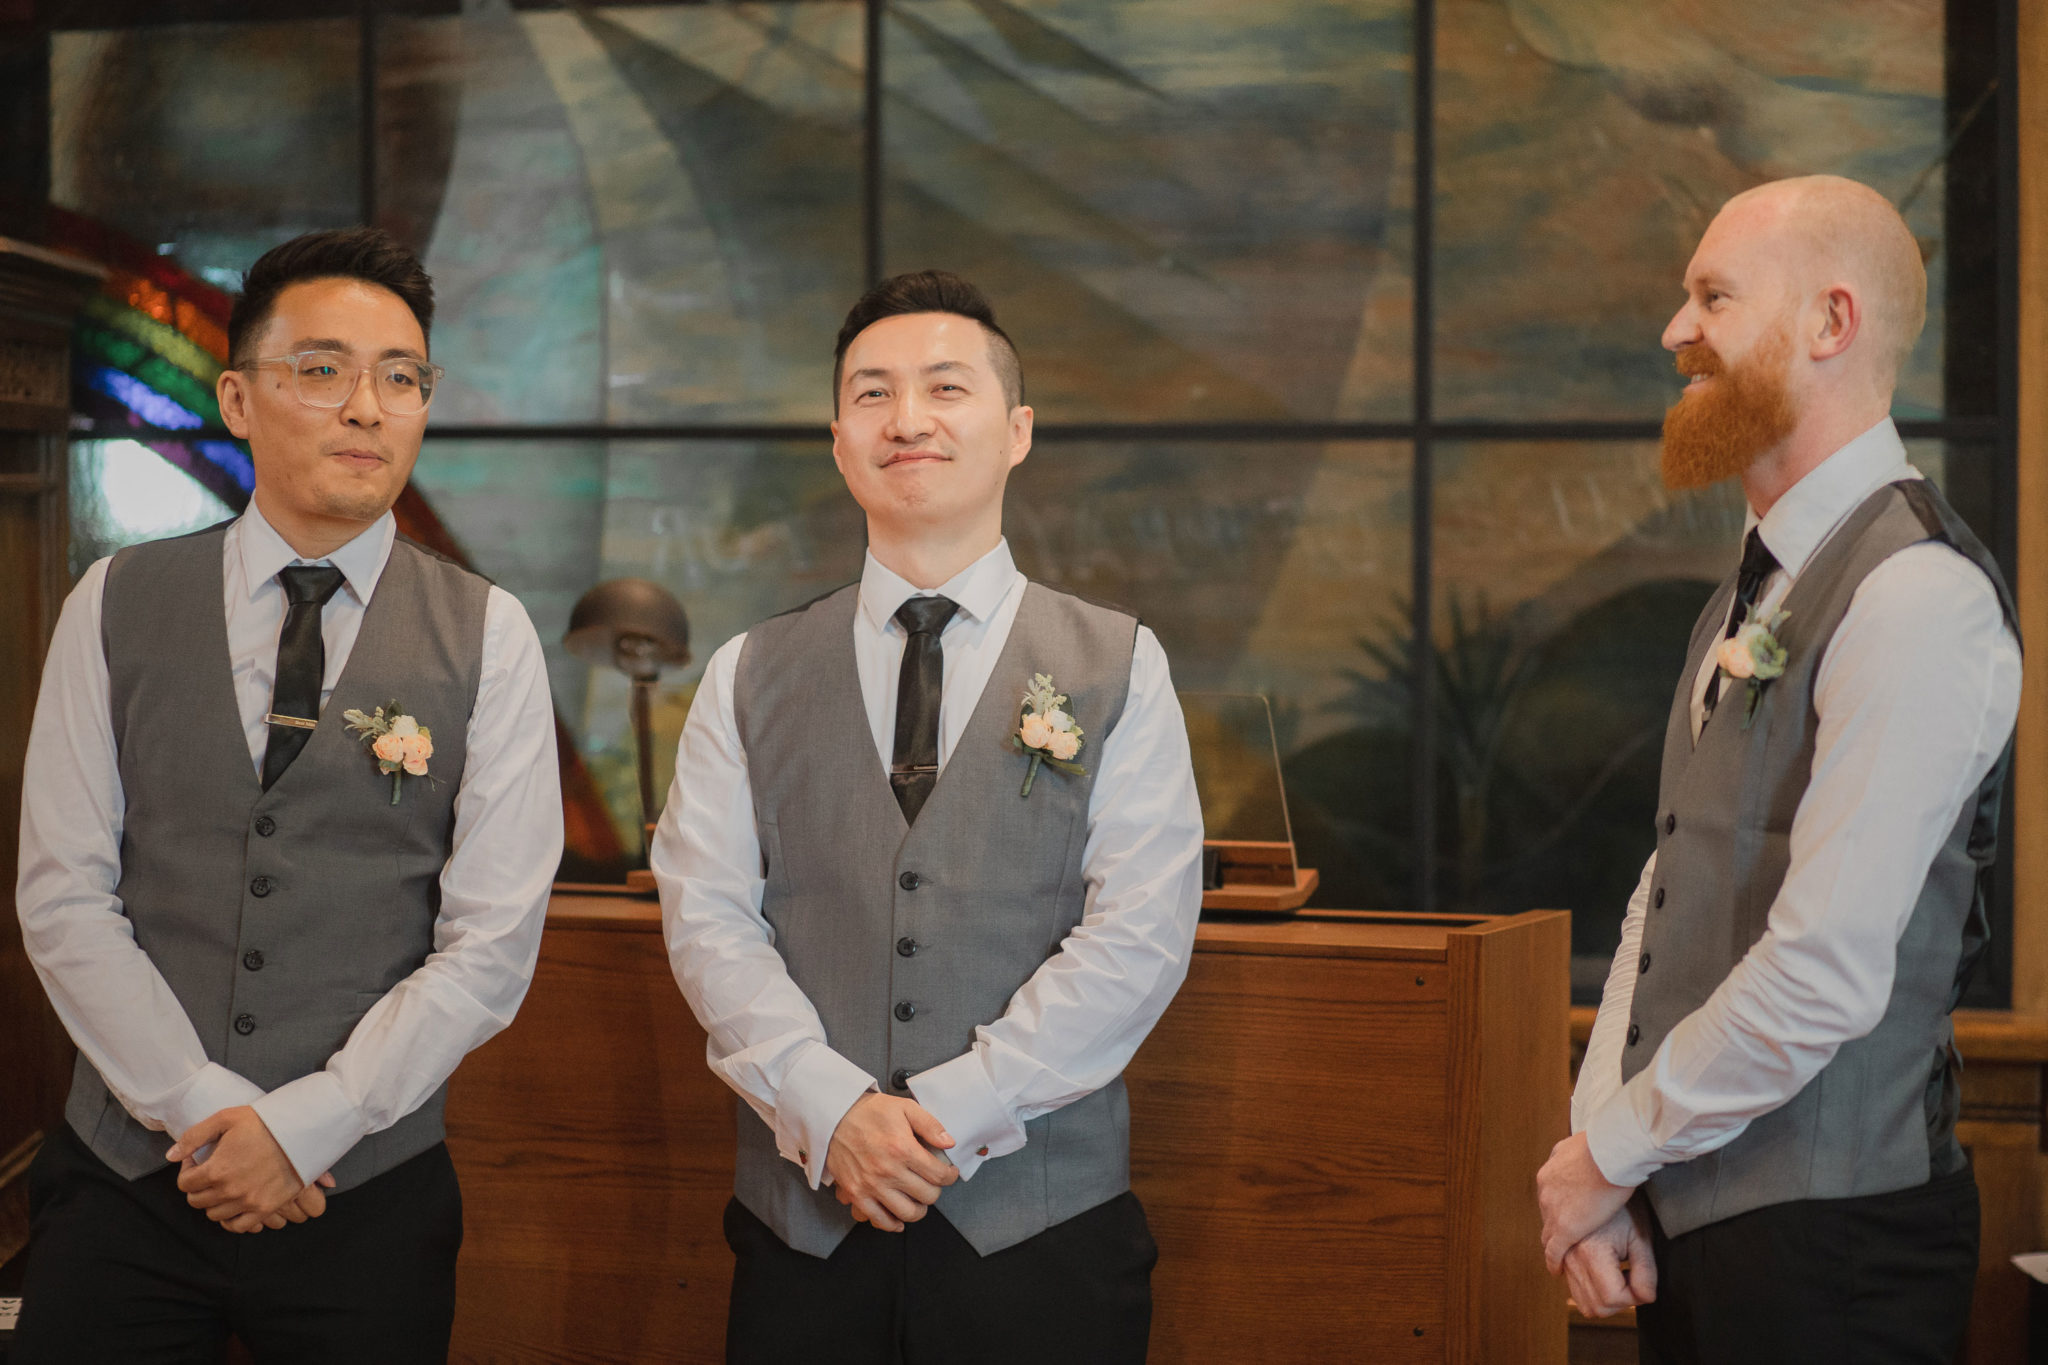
[{"x": 1285, "y": 277}]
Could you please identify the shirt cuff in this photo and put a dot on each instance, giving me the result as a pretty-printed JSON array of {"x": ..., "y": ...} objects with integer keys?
[
  {"x": 212, "y": 1088},
  {"x": 961, "y": 1097},
  {"x": 313, "y": 1122},
  {"x": 820, "y": 1087},
  {"x": 1619, "y": 1143}
]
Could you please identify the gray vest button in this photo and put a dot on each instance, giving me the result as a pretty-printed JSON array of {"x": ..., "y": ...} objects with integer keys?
[
  {"x": 1644, "y": 965},
  {"x": 901, "y": 1080},
  {"x": 1670, "y": 824},
  {"x": 262, "y": 886},
  {"x": 1660, "y": 898},
  {"x": 245, "y": 1024},
  {"x": 265, "y": 826},
  {"x": 910, "y": 881},
  {"x": 1635, "y": 1034},
  {"x": 253, "y": 960},
  {"x": 906, "y": 1011},
  {"x": 907, "y": 947}
]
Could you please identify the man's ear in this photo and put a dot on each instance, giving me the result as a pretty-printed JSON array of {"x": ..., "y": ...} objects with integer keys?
[
  {"x": 232, "y": 391},
  {"x": 1840, "y": 319},
  {"x": 1021, "y": 418},
  {"x": 838, "y": 457}
]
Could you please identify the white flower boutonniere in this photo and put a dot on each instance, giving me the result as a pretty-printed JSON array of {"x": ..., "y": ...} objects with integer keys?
[
  {"x": 1045, "y": 732},
  {"x": 400, "y": 744},
  {"x": 1753, "y": 655}
]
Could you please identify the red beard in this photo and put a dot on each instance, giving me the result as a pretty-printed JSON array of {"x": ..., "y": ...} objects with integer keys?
[{"x": 1717, "y": 433}]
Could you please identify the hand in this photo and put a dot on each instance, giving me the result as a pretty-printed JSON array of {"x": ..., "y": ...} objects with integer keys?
[
  {"x": 311, "y": 1202},
  {"x": 1575, "y": 1197},
  {"x": 1614, "y": 1267},
  {"x": 882, "y": 1162},
  {"x": 245, "y": 1179}
]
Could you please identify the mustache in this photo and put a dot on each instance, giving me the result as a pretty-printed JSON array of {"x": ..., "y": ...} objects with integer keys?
[{"x": 1698, "y": 359}]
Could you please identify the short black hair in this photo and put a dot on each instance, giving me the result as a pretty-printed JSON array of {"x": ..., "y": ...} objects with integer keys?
[
  {"x": 368, "y": 254},
  {"x": 931, "y": 291}
]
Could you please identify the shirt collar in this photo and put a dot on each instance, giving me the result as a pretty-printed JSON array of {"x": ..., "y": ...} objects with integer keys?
[
  {"x": 361, "y": 561},
  {"x": 979, "y": 588},
  {"x": 1801, "y": 520}
]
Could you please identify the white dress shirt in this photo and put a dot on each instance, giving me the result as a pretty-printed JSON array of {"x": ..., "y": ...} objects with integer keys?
[
  {"x": 494, "y": 889},
  {"x": 1070, "y": 1029},
  {"x": 1916, "y": 698}
]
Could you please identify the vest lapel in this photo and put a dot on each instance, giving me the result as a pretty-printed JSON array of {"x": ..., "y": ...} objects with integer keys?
[
  {"x": 853, "y": 739},
  {"x": 1706, "y": 633},
  {"x": 221, "y": 706}
]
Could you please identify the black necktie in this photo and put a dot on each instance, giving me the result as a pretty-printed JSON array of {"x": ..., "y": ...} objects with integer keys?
[
  {"x": 301, "y": 663},
  {"x": 918, "y": 689},
  {"x": 1758, "y": 563}
]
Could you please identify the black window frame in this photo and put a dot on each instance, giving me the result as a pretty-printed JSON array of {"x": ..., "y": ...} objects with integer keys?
[{"x": 1982, "y": 75}]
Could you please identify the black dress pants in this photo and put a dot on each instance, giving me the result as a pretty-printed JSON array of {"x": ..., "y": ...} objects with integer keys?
[
  {"x": 126, "y": 1271},
  {"x": 1079, "y": 1293},
  {"x": 1880, "y": 1279}
]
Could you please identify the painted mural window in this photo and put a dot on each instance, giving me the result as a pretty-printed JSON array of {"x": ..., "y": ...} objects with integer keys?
[{"x": 1395, "y": 470}]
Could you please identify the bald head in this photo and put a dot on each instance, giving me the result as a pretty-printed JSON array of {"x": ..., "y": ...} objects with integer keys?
[
  {"x": 1801, "y": 304},
  {"x": 1822, "y": 232}
]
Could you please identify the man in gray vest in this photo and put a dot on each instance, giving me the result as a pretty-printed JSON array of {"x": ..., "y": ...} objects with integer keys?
[
  {"x": 930, "y": 872},
  {"x": 1764, "y": 1154},
  {"x": 290, "y": 819}
]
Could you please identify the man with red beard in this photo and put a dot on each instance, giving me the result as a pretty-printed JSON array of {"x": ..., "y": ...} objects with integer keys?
[{"x": 1763, "y": 1152}]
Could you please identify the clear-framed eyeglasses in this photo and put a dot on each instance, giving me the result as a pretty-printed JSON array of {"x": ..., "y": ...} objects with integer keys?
[{"x": 328, "y": 379}]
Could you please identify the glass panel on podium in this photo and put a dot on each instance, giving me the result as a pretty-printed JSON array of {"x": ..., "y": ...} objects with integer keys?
[{"x": 1248, "y": 859}]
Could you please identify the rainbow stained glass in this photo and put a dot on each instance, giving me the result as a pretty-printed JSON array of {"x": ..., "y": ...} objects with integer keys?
[{"x": 149, "y": 349}]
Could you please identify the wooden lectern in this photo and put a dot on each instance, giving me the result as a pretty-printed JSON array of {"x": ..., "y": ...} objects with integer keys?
[{"x": 1335, "y": 1132}]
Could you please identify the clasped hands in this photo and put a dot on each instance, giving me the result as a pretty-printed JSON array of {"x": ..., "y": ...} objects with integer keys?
[
  {"x": 1595, "y": 1234},
  {"x": 246, "y": 1183},
  {"x": 883, "y": 1163}
]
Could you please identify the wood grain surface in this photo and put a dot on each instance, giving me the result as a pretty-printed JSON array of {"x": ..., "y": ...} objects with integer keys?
[
  {"x": 595, "y": 1151},
  {"x": 1287, "y": 1135},
  {"x": 1293, "y": 1140},
  {"x": 1510, "y": 1078}
]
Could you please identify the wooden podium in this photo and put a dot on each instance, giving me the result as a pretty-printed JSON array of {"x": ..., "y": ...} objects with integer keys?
[{"x": 1335, "y": 1133}]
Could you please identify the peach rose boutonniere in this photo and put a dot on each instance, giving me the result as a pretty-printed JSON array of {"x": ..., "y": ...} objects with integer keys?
[
  {"x": 1753, "y": 655},
  {"x": 400, "y": 744},
  {"x": 1045, "y": 732}
]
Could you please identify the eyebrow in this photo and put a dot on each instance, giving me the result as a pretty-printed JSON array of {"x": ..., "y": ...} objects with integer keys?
[
  {"x": 936, "y": 367},
  {"x": 337, "y": 344}
]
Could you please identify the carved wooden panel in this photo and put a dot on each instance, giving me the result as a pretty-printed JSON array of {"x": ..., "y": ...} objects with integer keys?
[{"x": 34, "y": 372}]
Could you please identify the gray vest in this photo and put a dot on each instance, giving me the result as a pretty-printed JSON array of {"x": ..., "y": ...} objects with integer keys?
[
  {"x": 985, "y": 885},
  {"x": 1881, "y": 1115},
  {"x": 278, "y": 918}
]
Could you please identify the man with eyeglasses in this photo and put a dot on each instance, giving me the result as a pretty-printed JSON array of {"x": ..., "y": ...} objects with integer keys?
[{"x": 290, "y": 819}]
